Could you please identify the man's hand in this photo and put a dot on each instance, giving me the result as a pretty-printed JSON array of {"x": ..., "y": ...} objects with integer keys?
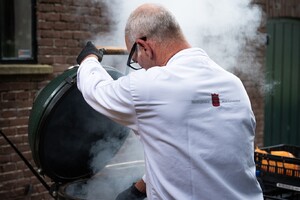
[
  {"x": 88, "y": 50},
  {"x": 132, "y": 193}
]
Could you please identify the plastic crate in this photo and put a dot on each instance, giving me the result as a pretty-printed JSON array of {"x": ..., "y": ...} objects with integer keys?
[{"x": 279, "y": 175}]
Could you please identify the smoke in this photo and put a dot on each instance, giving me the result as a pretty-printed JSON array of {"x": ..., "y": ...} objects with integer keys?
[
  {"x": 225, "y": 29},
  {"x": 114, "y": 171}
]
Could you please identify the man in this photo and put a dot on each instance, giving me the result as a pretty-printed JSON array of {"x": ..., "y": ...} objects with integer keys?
[{"x": 193, "y": 118}]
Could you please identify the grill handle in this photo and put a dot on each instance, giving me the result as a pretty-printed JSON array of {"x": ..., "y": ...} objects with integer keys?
[{"x": 110, "y": 50}]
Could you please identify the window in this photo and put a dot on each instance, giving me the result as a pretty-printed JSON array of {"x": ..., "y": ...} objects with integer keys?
[{"x": 17, "y": 31}]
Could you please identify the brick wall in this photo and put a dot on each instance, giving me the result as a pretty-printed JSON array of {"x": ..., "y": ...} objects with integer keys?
[
  {"x": 16, "y": 180},
  {"x": 282, "y": 8},
  {"x": 63, "y": 26}
]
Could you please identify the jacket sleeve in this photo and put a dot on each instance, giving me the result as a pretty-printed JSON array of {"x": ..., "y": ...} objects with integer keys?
[{"x": 111, "y": 98}]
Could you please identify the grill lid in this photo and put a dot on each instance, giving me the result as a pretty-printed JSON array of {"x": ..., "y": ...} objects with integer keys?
[{"x": 63, "y": 128}]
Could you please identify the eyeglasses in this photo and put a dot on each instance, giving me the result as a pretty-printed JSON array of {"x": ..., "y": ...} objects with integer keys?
[{"x": 131, "y": 63}]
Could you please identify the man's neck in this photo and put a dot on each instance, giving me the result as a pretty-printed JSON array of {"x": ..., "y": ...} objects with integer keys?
[{"x": 165, "y": 54}]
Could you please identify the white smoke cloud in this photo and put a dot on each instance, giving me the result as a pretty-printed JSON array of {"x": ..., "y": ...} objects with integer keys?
[
  {"x": 221, "y": 27},
  {"x": 113, "y": 171}
]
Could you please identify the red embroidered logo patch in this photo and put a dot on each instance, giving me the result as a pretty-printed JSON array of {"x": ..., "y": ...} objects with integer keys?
[{"x": 215, "y": 100}]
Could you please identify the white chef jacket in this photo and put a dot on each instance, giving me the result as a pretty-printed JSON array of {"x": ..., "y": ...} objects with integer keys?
[{"x": 194, "y": 120}]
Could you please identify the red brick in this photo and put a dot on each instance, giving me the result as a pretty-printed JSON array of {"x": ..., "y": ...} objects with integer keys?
[
  {"x": 85, "y": 27},
  {"x": 46, "y": 42},
  {"x": 52, "y": 17},
  {"x": 16, "y": 86},
  {"x": 60, "y": 59},
  {"x": 4, "y": 159},
  {"x": 8, "y": 113},
  {"x": 66, "y": 35},
  {"x": 73, "y": 26},
  {"x": 58, "y": 8},
  {"x": 61, "y": 68},
  {"x": 4, "y": 122},
  {"x": 8, "y": 167},
  {"x": 71, "y": 59},
  {"x": 19, "y": 121},
  {"x": 23, "y": 112},
  {"x": 56, "y": 1},
  {"x": 45, "y": 7},
  {"x": 49, "y": 51},
  {"x": 8, "y": 96},
  {"x": 43, "y": 59},
  {"x": 22, "y": 95},
  {"x": 15, "y": 157},
  {"x": 82, "y": 35},
  {"x": 20, "y": 165},
  {"x": 11, "y": 175},
  {"x": 60, "y": 26},
  {"x": 72, "y": 43},
  {"x": 9, "y": 131},
  {"x": 59, "y": 43},
  {"x": 50, "y": 34},
  {"x": 27, "y": 153},
  {"x": 45, "y": 25},
  {"x": 68, "y": 18},
  {"x": 82, "y": 3},
  {"x": 2, "y": 142}
]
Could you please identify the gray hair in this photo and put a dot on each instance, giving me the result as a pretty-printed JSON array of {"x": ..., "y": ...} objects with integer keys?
[{"x": 152, "y": 22}]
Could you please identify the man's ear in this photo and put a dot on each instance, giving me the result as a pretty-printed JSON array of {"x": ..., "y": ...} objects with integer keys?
[{"x": 146, "y": 47}]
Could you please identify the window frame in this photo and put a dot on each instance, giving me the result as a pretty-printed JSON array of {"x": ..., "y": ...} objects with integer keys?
[{"x": 33, "y": 59}]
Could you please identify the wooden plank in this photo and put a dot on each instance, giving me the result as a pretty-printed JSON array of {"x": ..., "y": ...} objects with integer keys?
[
  {"x": 268, "y": 125},
  {"x": 295, "y": 85},
  {"x": 286, "y": 69},
  {"x": 277, "y": 98}
]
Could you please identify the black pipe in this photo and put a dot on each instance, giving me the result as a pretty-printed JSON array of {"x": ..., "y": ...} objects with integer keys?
[{"x": 26, "y": 162}]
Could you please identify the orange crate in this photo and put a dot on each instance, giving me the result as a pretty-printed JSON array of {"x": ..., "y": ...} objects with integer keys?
[{"x": 279, "y": 171}]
